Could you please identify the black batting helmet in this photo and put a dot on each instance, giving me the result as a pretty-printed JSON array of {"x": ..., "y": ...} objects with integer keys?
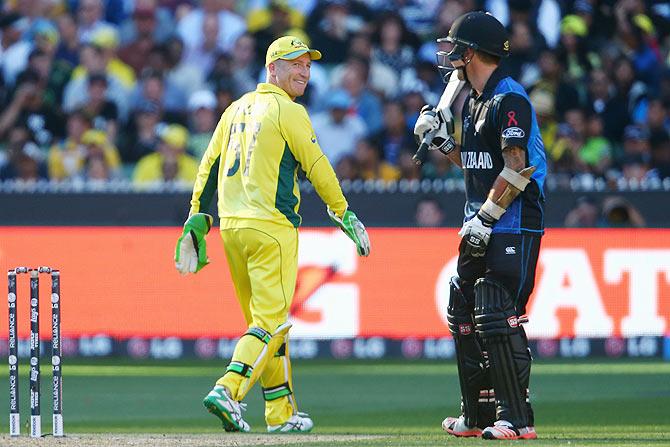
[{"x": 478, "y": 30}]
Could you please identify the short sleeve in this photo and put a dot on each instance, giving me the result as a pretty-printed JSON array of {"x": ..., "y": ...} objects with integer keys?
[{"x": 514, "y": 116}]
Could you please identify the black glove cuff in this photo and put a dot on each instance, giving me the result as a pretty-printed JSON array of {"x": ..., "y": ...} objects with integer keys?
[
  {"x": 447, "y": 146},
  {"x": 487, "y": 220}
]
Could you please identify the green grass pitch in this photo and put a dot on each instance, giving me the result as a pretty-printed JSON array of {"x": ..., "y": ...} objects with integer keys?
[{"x": 612, "y": 403}]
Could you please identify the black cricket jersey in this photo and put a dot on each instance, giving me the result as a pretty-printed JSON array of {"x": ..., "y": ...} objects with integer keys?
[{"x": 502, "y": 116}]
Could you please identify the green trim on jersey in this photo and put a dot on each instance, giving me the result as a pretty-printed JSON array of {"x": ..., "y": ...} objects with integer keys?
[
  {"x": 210, "y": 187},
  {"x": 285, "y": 199}
]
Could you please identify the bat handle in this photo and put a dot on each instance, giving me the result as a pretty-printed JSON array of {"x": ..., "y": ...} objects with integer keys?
[{"x": 421, "y": 153}]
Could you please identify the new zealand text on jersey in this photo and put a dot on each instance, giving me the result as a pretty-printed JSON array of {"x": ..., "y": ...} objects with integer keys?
[{"x": 476, "y": 160}]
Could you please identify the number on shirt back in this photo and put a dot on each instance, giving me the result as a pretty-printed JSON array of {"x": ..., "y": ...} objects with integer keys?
[{"x": 235, "y": 144}]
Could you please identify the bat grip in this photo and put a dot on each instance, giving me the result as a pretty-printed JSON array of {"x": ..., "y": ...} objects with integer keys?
[{"x": 421, "y": 153}]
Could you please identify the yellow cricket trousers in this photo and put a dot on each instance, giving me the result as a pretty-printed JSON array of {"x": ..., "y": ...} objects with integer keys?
[{"x": 263, "y": 261}]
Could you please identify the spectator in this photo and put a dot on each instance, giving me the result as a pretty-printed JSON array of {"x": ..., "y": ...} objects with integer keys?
[
  {"x": 202, "y": 111},
  {"x": 572, "y": 49},
  {"x": 635, "y": 31},
  {"x": 97, "y": 169},
  {"x": 104, "y": 112},
  {"x": 42, "y": 59},
  {"x": 204, "y": 52},
  {"x": 140, "y": 34},
  {"x": 408, "y": 168},
  {"x": 28, "y": 108},
  {"x": 154, "y": 87},
  {"x": 106, "y": 42},
  {"x": 331, "y": 30},
  {"x": 365, "y": 103},
  {"x": 261, "y": 18},
  {"x": 429, "y": 213},
  {"x": 347, "y": 168},
  {"x": 338, "y": 131},
  {"x": 383, "y": 79},
  {"x": 657, "y": 120},
  {"x": 14, "y": 51},
  {"x": 391, "y": 40},
  {"x": 94, "y": 60},
  {"x": 148, "y": 22},
  {"x": 551, "y": 79},
  {"x": 636, "y": 142},
  {"x": 190, "y": 27},
  {"x": 65, "y": 157},
  {"x": 599, "y": 94},
  {"x": 585, "y": 214},
  {"x": 225, "y": 95},
  {"x": 620, "y": 213},
  {"x": 68, "y": 46},
  {"x": 183, "y": 75},
  {"x": 96, "y": 145},
  {"x": 524, "y": 51},
  {"x": 24, "y": 159},
  {"x": 67, "y": 161},
  {"x": 371, "y": 164},
  {"x": 596, "y": 154},
  {"x": 544, "y": 105},
  {"x": 394, "y": 134},
  {"x": 90, "y": 18},
  {"x": 631, "y": 95},
  {"x": 243, "y": 63},
  {"x": 660, "y": 155},
  {"x": 169, "y": 163},
  {"x": 141, "y": 138}
]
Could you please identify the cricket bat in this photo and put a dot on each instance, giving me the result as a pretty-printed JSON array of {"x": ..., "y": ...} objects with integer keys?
[{"x": 454, "y": 86}]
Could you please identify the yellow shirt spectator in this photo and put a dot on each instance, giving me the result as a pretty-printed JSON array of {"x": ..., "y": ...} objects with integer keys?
[{"x": 170, "y": 162}]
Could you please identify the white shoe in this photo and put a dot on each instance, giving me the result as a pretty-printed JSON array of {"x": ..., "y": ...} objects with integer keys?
[
  {"x": 457, "y": 427},
  {"x": 229, "y": 411},
  {"x": 298, "y": 423},
  {"x": 505, "y": 430}
]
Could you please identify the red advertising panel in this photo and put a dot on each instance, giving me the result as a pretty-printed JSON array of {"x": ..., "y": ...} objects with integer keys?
[{"x": 122, "y": 282}]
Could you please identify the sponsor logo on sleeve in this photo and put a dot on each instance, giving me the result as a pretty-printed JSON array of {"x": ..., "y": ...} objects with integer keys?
[{"x": 513, "y": 132}]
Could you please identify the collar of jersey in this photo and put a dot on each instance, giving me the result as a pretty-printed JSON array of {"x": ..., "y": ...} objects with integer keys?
[
  {"x": 266, "y": 87},
  {"x": 491, "y": 84}
]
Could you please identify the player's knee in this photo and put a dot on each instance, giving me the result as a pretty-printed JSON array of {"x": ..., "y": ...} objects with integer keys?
[
  {"x": 495, "y": 314},
  {"x": 459, "y": 314}
]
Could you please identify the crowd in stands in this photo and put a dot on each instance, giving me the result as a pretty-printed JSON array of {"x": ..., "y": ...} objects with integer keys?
[{"x": 132, "y": 89}]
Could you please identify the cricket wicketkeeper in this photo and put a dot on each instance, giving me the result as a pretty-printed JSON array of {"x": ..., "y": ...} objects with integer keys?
[
  {"x": 253, "y": 159},
  {"x": 502, "y": 156}
]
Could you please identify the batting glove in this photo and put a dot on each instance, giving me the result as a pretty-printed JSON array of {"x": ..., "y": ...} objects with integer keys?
[
  {"x": 353, "y": 228},
  {"x": 191, "y": 252},
  {"x": 440, "y": 123},
  {"x": 476, "y": 234}
]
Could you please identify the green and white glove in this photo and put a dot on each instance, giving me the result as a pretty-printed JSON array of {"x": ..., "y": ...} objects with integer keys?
[
  {"x": 353, "y": 228},
  {"x": 190, "y": 255}
]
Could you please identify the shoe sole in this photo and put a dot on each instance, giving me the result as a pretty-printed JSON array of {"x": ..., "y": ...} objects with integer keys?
[
  {"x": 490, "y": 436},
  {"x": 463, "y": 434},
  {"x": 279, "y": 432},
  {"x": 223, "y": 414}
]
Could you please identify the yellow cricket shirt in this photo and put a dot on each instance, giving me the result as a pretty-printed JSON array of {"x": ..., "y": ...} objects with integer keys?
[{"x": 253, "y": 159}]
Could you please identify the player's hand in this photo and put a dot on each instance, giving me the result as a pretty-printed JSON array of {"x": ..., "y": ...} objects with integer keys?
[
  {"x": 476, "y": 233},
  {"x": 353, "y": 228},
  {"x": 440, "y": 123},
  {"x": 191, "y": 252}
]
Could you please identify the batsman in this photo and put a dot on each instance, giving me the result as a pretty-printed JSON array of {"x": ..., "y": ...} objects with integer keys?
[
  {"x": 502, "y": 155},
  {"x": 253, "y": 158}
]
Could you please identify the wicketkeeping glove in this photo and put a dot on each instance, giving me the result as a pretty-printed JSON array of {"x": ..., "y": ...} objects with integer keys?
[
  {"x": 191, "y": 252},
  {"x": 353, "y": 228}
]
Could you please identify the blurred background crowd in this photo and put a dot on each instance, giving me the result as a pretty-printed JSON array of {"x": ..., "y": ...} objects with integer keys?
[{"x": 99, "y": 90}]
